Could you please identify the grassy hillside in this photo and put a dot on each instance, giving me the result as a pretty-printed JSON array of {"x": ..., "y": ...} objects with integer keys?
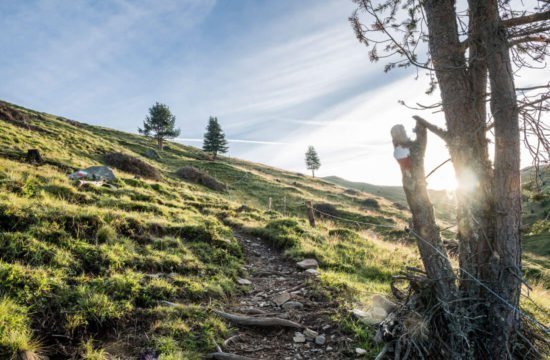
[
  {"x": 442, "y": 201},
  {"x": 536, "y": 214},
  {"x": 88, "y": 270}
]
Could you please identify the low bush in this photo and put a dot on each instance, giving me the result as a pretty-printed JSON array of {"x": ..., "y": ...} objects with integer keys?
[
  {"x": 131, "y": 165},
  {"x": 197, "y": 176},
  {"x": 326, "y": 210},
  {"x": 352, "y": 192},
  {"x": 370, "y": 203}
]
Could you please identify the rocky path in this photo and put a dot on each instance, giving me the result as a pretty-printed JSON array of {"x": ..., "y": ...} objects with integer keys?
[{"x": 278, "y": 288}]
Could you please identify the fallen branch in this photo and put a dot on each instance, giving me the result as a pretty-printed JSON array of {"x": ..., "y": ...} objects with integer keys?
[
  {"x": 254, "y": 321},
  {"x": 227, "y": 356},
  {"x": 231, "y": 339}
]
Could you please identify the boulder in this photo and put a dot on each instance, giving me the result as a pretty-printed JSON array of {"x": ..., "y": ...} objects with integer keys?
[
  {"x": 307, "y": 264},
  {"x": 94, "y": 173}
]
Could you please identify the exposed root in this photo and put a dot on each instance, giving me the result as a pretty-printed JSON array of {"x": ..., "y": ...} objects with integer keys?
[
  {"x": 227, "y": 356},
  {"x": 254, "y": 321},
  {"x": 419, "y": 327}
]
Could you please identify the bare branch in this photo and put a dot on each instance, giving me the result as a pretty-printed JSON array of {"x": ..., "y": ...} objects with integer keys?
[
  {"x": 528, "y": 19},
  {"x": 547, "y": 86},
  {"x": 525, "y": 39},
  {"x": 433, "y": 128}
]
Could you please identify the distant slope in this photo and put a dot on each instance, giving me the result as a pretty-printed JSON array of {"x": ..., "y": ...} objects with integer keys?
[
  {"x": 443, "y": 204},
  {"x": 392, "y": 193}
]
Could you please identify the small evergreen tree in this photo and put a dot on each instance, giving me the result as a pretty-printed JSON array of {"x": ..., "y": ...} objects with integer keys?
[
  {"x": 214, "y": 138},
  {"x": 159, "y": 124},
  {"x": 312, "y": 160}
]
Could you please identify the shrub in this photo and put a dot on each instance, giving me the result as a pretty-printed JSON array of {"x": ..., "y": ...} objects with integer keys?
[
  {"x": 351, "y": 192},
  {"x": 371, "y": 203},
  {"x": 131, "y": 165},
  {"x": 197, "y": 176},
  {"x": 326, "y": 209}
]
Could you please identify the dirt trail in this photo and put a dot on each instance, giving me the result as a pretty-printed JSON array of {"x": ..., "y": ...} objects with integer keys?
[{"x": 271, "y": 275}]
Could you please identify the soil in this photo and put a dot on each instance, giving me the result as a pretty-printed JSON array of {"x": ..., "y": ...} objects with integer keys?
[{"x": 272, "y": 274}]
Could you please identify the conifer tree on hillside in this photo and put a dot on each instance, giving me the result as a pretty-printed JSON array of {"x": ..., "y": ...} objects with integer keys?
[
  {"x": 160, "y": 124},
  {"x": 214, "y": 138},
  {"x": 312, "y": 160}
]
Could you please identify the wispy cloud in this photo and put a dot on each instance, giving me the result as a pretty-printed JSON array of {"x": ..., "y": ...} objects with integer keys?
[
  {"x": 237, "y": 141},
  {"x": 282, "y": 74}
]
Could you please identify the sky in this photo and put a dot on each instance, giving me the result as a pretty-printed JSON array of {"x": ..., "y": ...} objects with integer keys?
[{"x": 278, "y": 74}]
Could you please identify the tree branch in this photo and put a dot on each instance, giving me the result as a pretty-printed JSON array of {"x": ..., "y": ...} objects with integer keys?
[
  {"x": 522, "y": 20},
  {"x": 433, "y": 128},
  {"x": 534, "y": 87},
  {"x": 525, "y": 39}
]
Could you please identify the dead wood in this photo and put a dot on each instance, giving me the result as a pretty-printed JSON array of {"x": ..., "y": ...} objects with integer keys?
[
  {"x": 253, "y": 321},
  {"x": 227, "y": 356},
  {"x": 233, "y": 338}
]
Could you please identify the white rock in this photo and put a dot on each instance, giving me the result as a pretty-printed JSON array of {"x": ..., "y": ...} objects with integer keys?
[
  {"x": 329, "y": 348},
  {"x": 360, "y": 351},
  {"x": 299, "y": 338},
  {"x": 281, "y": 298},
  {"x": 310, "y": 334},
  {"x": 320, "y": 340},
  {"x": 313, "y": 272},
  {"x": 308, "y": 264},
  {"x": 244, "y": 281}
]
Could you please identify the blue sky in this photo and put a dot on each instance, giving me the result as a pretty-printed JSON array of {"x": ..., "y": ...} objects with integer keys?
[{"x": 279, "y": 75}]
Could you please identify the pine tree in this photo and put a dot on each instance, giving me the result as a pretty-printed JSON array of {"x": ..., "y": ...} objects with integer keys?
[
  {"x": 159, "y": 124},
  {"x": 312, "y": 160},
  {"x": 214, "y": 138}
]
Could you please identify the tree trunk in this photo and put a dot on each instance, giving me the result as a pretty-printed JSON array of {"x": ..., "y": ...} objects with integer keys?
[
  {"x": 159, "y": 143},
  {"x": 468, "y": 146},
  {"x": 424, "y": 228},
  {"x": 506, "y": 272},
  {"x": 488, "y": 203}
]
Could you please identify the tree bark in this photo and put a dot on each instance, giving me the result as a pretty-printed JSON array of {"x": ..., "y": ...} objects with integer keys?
[
  {"x": 424, "y": 228},
  {"x": 468, "y": 146},
  {"x": 506, "y": 269},
  {"x": 488, "y": 202}
]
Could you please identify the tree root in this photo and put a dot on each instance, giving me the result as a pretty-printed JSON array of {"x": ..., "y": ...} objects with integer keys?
[
  {"x": 227, "y": 356},
  {"x": 255, "y": 321}
]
